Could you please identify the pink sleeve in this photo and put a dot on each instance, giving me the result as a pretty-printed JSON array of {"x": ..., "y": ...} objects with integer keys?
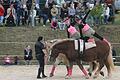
[
  {"x": 86, "y": 27},
  {"x": 72, "y": 30}
]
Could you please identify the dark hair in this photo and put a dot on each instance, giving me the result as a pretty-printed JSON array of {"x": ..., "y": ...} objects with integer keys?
[{"x": 40, "y": 38}]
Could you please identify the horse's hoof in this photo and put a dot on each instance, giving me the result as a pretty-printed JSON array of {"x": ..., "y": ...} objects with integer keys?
[
  {"x": 109, "y": 76},
  {"x": 102, "y": 73},
  {"x": 67, "y": 77},
  {"x": 95, "y": 76},
  {"x": 51, "y": 75},
  {"x": 87, "y": 77},
  {"x": 89, "y": 74}
]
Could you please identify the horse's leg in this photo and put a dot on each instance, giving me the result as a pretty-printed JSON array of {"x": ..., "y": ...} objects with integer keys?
[
  {"x": 66, "y": 62},
  {"x": 69, "y": 70},
  {"x": 52, "y": 71},
  {"x": 101, "y": 65},
  {"x": 82, "y": 69},
  {"x": 54, "y": 66},
  {"x": 93, "y": 68}
]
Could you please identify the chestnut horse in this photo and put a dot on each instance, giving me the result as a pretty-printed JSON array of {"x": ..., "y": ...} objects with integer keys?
[
  {"x": 62, "y": 59},
  {"x": 101, "y": 53}
]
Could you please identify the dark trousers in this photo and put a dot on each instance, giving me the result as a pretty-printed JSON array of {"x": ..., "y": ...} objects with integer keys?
[
  {"x": 10, "y": 21},
  {"x": 40, "y": 59}
]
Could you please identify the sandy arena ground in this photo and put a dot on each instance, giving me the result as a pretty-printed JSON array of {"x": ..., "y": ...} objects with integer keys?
[{"x": 24, "y": 72}]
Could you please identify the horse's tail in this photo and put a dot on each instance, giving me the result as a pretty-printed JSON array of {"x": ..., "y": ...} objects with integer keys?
[{"x": 110, "y": 58}]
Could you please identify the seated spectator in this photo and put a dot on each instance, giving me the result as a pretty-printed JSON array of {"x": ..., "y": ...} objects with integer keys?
[
  {"x": 7, "y": 60},
  {"x": 54, "y": 13},
  {"x": 28, "y": 54},
  {"x": 2, "y": 10},
  {"x": 10, "y": 17}
]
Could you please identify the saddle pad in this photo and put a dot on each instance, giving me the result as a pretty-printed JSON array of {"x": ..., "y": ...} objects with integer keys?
[{"x": 88, "y": 45}]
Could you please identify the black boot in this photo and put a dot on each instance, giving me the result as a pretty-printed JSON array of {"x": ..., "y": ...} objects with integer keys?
[
  {"x": 98, "y": 36},
  {"x": 43, "y": 75},
  {"x": 39, "y": 72}
]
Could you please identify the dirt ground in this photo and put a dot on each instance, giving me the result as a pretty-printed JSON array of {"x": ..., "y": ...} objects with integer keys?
[{"x": 25, "y": 72}]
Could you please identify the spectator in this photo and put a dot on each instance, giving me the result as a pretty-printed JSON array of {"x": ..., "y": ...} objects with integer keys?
[
  {"x": 64, "y": 11},
  {"x": 24, "y": 13},
  {"x": 78, "y": 9},
  {"x": 7, "y": 60},
  {"x": 54, "y": 13},
  {"x": 18, "y": 10},
  {"x": 6, "y": 5},
  {"x": 71, "y": 10},
  {"x": 28, "y": 54},
  {"x": 106, "y": 13},
  {"x": 44, "y": 14},
  {"x": 32, "y": 16},
  {"x": 49, "y": 4},
  {"x": 112, "y": 14},
  {"x": 10, "y": 17},
  {"x": 29, "y": 6},
  {"x": 1, "y": 14}
]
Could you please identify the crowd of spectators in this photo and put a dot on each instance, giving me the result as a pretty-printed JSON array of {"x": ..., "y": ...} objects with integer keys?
[{"x": 25, "y": 12}]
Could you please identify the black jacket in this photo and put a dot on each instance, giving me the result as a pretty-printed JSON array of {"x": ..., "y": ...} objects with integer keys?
[{"x": 39, "y": 46}]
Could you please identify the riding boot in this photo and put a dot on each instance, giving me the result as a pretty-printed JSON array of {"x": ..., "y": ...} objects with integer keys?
[
  {"x": 98, "y": 36},
  {"x": 43, "y": 75},
  {"x": 39, "y": 72}
]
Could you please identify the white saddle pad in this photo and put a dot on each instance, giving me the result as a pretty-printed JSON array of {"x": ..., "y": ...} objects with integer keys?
[{"x": 88, "y": 45}]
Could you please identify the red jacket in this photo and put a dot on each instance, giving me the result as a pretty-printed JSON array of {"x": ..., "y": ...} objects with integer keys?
[{"x": 1, "y": 11}]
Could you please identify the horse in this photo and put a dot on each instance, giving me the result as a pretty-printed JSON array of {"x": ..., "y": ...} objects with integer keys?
[{"x": 101, "y": 53}]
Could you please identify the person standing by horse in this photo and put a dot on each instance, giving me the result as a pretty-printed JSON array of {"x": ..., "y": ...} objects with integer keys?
[{"x": 39, "y": 46}]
